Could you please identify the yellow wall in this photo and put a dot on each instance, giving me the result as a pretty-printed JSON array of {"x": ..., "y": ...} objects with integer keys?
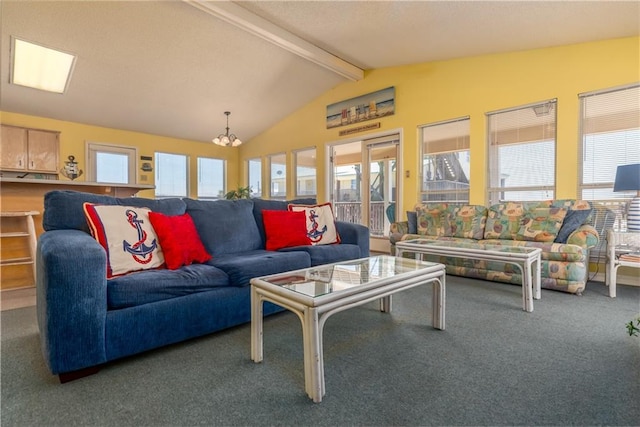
[
  {"x": 425, "y": 93},
  {"x": 73, "y": 137},
  {"x": 436, "y": 91}
]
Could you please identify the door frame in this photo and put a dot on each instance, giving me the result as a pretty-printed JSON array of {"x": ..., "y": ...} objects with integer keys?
[{"x": 378, "y": 244}]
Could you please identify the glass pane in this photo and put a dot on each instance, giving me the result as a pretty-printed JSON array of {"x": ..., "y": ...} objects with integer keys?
[
  {"x": 446, "y": 161},
  {"x": 382, "y": 206},
  {"x": 522, "y": 153},
  {"x": 347, "y": 177},
  {"x": 211, "y": 183},
  {"x": 171, "y": 175},
  {"x": 255, "y": 177},
  {"x": 306, "y": 173},
  {"x": 278, "y": 168},
  {"x": 112, "y": 168},
  {"x": 610, "y": 123}
]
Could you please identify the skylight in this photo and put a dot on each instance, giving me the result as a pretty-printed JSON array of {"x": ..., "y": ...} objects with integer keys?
[{"x": 39, "y": 67}]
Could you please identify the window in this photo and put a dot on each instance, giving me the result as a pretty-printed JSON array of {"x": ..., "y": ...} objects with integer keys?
[
  {"x": 111, "y": 163},
  {"x": 255, "y": 176},
  {"x": 445, "y": 161},
  {"x": 171, "y": 175},
  {"x": 211, "y": 182},
  {"x": 610, "y": 137},
  {"x": 278, "y": 173},
  {"x": 522, "y": 152},
  {"x": 305, "y": 167}
]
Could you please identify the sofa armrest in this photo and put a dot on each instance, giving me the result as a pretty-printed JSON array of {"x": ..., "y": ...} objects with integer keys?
[
  {"x": 71, "y": 295},
  {"x": 585, "y": 236},
  {"x": 399, "y": 227},
  {"x": 355, "y": 234}
]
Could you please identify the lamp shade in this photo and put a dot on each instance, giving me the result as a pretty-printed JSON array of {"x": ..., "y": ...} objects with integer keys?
[{"x": 627, "y": 178}]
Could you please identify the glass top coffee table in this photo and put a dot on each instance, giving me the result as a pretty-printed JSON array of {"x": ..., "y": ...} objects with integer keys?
[
  {"x": 526, "y": 259},
  {"x": 316, "y": 293}
]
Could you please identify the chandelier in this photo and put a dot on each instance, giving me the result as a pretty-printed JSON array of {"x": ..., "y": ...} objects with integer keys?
[{"x": 226, "y": 139}]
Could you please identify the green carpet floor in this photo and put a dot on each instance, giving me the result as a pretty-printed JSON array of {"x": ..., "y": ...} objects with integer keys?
[{"x": 570, "y": 362}]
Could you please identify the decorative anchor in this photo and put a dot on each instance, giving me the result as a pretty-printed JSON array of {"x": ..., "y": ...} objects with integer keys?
[
  {"x": 139, "y": 250},
  {"x": 70, "y": 169},
  {"x": 314, "y": 234}
]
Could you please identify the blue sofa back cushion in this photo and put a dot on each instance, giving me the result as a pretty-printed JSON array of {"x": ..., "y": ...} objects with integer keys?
[
  {"x": 412, "y": 220},
  {"x": 225, "y": 226},
  {"x": 63, "y": 208},
  {"x": 149, "y": 286},
  {"x": 273, "y": 205},
  {"x": 571, "y": 222}
]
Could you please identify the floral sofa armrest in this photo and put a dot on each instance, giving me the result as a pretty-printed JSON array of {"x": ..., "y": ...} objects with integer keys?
[
  {"x": 585, "y": 236},
  {"x": 400, "y": 227}
]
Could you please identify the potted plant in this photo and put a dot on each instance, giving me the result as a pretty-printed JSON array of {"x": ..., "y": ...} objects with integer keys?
[
  {"x": 240, "y": 193},
  {"x": 633, "y": 327}
]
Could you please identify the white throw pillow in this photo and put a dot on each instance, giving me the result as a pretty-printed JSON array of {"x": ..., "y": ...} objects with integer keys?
[
  {"x": 321, "y": 223},
  {"x": 127, "y": 235}
]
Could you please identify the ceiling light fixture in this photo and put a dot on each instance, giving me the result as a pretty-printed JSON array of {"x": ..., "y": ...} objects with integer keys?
[
  {"x": 40, "y": 67},
  {"x": 226, "y": 139}
]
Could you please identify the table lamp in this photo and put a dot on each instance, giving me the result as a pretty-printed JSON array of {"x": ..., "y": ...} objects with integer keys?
[{"x": 628, "y": 179}]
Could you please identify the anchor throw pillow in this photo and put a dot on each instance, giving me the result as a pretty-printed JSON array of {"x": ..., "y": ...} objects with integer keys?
[
  {"x": 126, "y": 234},
  {"x": 321, "y": 223}
]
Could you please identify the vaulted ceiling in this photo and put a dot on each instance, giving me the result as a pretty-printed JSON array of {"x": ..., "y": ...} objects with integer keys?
[{"x": 173, "y": 67}]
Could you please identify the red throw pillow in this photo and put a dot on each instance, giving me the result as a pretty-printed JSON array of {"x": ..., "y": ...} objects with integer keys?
[
  {"x": 285, "y": 229},
  {"x": 179, "y": 240}
]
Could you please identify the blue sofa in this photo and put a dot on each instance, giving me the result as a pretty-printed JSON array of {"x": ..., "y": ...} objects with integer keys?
[{"x": 86, "y": 320}]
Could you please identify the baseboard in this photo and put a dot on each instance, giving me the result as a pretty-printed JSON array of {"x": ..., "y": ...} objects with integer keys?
[{"x": 621, "y": 279}]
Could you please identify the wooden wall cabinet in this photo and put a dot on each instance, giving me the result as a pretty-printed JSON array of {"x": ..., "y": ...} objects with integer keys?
[{"x": 29, "y": 150}]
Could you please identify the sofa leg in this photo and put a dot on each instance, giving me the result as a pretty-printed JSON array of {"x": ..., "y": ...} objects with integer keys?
[{"x": 81, "y": 373}]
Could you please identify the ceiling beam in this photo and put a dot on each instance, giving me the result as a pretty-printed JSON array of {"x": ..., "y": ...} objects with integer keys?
[{"x": 258, "y": 26}]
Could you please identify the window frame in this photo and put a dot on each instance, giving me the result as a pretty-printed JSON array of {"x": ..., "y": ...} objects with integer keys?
[
  {"x": 495, "y": 191},
  {"x": 270, "y": 158},
  {"x": 92, "y": 148},
  {"x": 295, "y": 154},
  {"x": 158, "y": 170},
  {"x": 198, "y": 180},
  {"x": 257, "y": 192},
  {"x": 423, "y": 194}
]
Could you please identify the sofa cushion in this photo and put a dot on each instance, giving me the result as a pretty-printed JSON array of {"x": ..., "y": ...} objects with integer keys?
[
  {"x": 127, "y": 236},
  {"x": 63, "y": 208},
  {"x": 179, "y": 240},
  {"x": 326, "y": 254},
  {"x": 321, "y": 223},
  {"x": 572, "y": 221},
  {"x": 468, "y": 221},
  {"x": 541, "y": 224},
  {"x": 273, "y": 205},
  {"x": 242, "y": 267},
  {"x": 433, "y": 219},
  {"x": 225, "y": 226},
  {"x": 412, "y": 220},
  {"x": 155, "y": 285},
  {"x": 285, "y": 229},
  {"x": 503, "y": 220}
]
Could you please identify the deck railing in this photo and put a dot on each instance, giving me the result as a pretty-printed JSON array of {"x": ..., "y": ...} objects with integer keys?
[{"x": 352, "y": 212}]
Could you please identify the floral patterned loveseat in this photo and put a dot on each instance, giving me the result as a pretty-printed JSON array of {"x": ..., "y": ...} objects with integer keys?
[{"x": 559, "y": 227}]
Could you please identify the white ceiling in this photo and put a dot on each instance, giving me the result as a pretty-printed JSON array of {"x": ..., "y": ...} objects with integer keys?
[{"x": 168, "y": 68}]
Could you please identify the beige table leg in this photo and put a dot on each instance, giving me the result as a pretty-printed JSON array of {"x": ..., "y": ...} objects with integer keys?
[{"x": 256, "y": 326}]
